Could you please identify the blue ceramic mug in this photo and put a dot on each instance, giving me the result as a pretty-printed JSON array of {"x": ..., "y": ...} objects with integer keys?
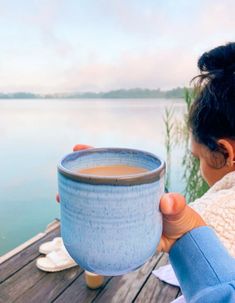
[{"x": 111, "y": 225}]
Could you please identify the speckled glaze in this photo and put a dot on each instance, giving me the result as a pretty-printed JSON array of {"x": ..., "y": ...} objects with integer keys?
[{"x": 109, "y": 225}]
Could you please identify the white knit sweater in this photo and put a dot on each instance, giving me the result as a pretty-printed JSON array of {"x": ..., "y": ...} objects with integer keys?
[{"x": 217, "y": 207}]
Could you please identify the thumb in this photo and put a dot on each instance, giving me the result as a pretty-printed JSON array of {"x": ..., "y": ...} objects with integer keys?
[
  {"x": 171, "y": 205},
  {"x": 178, "y": 218}
]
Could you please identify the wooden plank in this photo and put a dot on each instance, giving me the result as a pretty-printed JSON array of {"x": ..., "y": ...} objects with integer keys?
[
  {"x": 21, "y": 247},
  {"x": 12, "y": 265},
  {"x": 155, "y": 290},
  {"x": 125, "y": 288},
  {"x": 158, "y": 292},
  {"x": 53, "y": 225},
  {"x": 18, "y": 283},
  {"x": 50, "y": 286},
  {"x": 79, "y": 292}
]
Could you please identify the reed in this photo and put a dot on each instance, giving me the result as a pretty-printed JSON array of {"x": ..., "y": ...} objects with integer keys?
[
  {"x": 169, "y": 126},
  {"x": 177, "y": 133}
]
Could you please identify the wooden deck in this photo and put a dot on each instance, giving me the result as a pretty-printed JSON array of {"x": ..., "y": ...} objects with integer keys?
[{"x": 21, "y": 281}]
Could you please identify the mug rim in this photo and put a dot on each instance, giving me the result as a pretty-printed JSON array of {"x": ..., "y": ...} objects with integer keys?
[{"x": 142, "y": 178}]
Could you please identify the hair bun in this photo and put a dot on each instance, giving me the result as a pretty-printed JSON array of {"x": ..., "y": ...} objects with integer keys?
[{"x": 219, "y": 58}]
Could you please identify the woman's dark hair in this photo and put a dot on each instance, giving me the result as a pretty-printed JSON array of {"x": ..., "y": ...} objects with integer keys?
[{"x": 212, "y": 114}]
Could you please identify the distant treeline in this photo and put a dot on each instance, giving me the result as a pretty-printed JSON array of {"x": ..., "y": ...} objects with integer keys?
[{"x": 119, "y": 94}]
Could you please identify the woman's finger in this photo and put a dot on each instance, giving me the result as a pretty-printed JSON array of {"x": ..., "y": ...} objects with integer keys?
[
  {"x": 57, "y": 198},
  {"x": 165, "y": 244},
  {"x": 81, "y": 147}
]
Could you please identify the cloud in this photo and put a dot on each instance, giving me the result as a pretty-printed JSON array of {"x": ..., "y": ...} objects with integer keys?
[
  {"x": 179, "y": 23},
  {"x": 181, "y": 39},
  {"x": 47, "y": 19},
  {"x": 146, "y": 69},
  {"x": 135, "y": 18},
  {"x": 158, "y": 44},
  {"x": 213, "y": 24}
]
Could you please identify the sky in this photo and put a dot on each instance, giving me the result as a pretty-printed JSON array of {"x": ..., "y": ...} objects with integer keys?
[{"x": 50, "y": 46}]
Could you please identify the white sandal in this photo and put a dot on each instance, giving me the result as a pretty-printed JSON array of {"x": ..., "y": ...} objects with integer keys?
[
  {"x": 54, "y": 245},
  {"x": 56, "y": 261}
]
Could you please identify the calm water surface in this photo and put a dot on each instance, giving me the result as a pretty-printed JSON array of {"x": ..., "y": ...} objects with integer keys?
[{"x": 35, "y": 134}]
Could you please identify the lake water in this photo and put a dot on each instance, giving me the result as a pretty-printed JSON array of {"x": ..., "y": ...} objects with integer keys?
[{"x": 35, "y": 134}]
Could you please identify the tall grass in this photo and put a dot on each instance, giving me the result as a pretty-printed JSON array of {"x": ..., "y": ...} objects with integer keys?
[
  {"x": 177, "y": 133},
  {"x": 195, "y": 185},
  {"x": 169, "y": 126}
]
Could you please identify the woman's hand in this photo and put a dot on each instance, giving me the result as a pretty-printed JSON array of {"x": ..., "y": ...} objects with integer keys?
[
  {"x": 77, "y": 147},
  {"x": 178, "y": 219}
]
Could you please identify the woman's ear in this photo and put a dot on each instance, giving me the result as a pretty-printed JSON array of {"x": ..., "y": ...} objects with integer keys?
[{"x": 229, "y": 149}]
